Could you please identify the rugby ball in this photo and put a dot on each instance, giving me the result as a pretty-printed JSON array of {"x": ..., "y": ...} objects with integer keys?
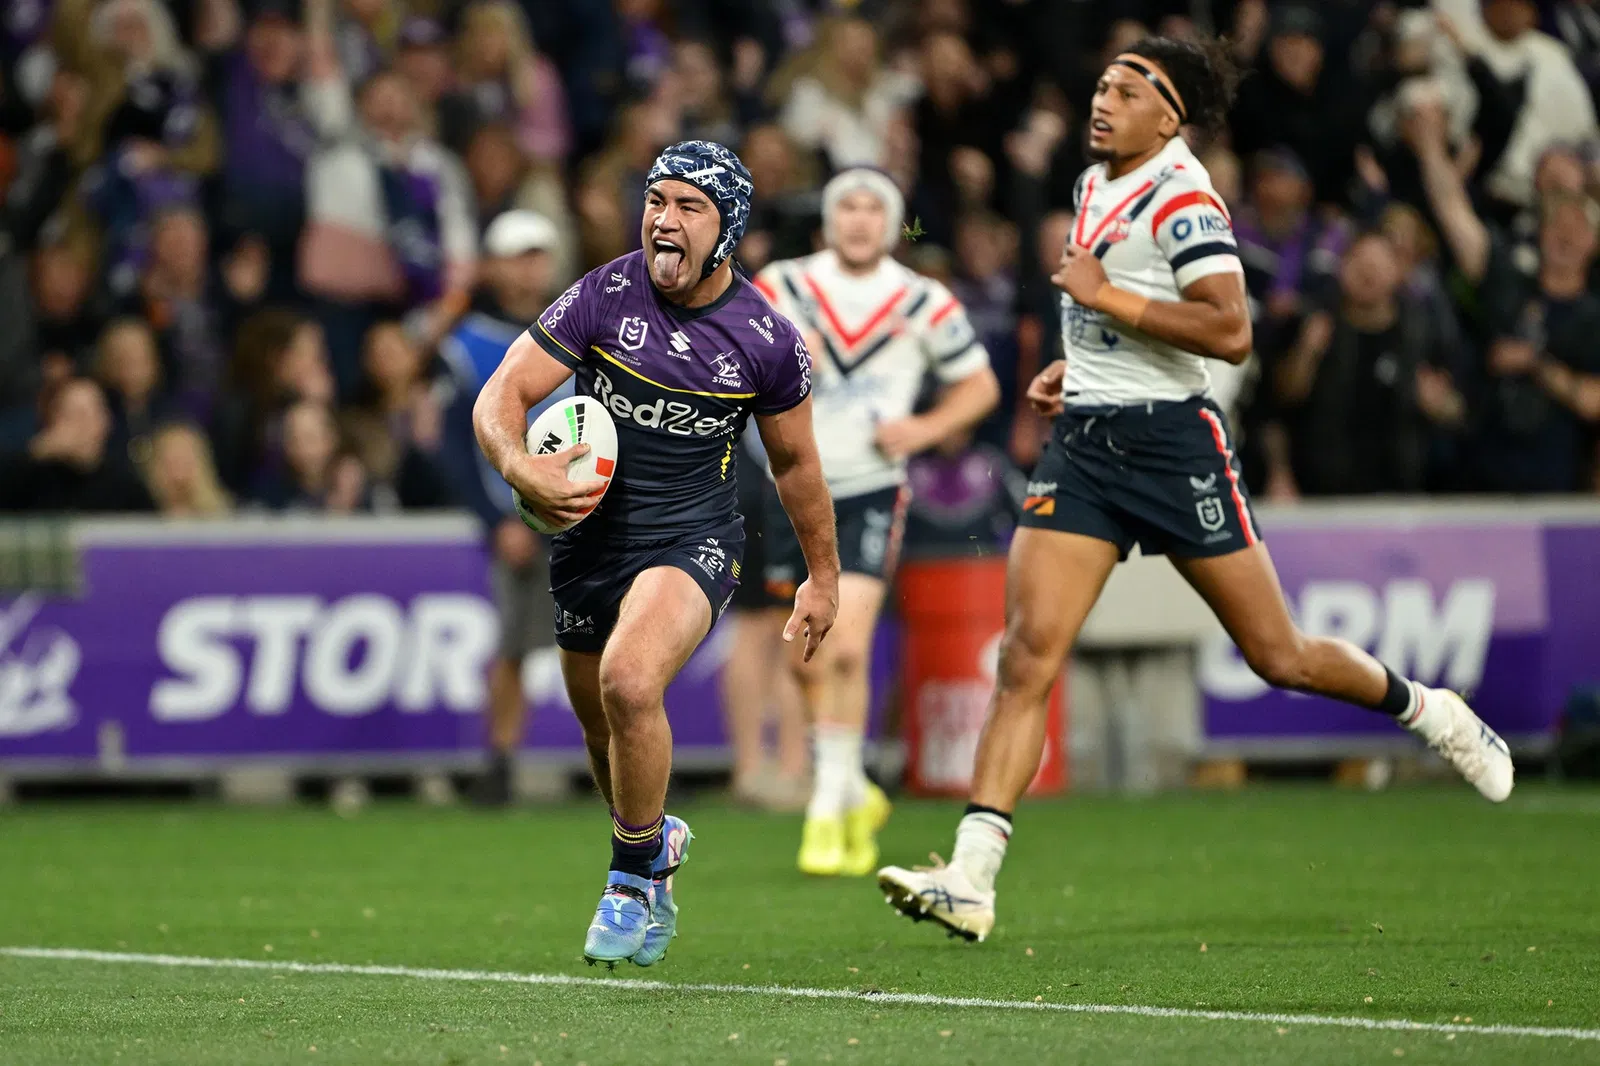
[{"x": 575, "y": 420}]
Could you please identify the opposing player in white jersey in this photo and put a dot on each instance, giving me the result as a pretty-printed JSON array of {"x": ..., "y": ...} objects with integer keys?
[
  {"x": 877, "y": 330},
  {"x": 1140, "y": 454}
]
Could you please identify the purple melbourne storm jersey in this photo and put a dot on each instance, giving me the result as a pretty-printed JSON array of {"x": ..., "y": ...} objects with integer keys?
[{"x": 680, "y": 383}]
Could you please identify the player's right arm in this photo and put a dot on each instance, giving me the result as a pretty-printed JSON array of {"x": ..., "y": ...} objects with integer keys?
[{"x": 536, "y": 364}]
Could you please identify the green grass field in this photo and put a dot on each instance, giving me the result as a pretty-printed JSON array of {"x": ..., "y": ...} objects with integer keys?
[{"x": 1427, "y": 905}]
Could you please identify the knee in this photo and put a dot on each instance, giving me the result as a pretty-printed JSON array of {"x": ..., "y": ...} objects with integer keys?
[
  {"x": 627, "y": 692},
  {"x": 847, "y": 661},
  {"x": 1028, "y": 663},
  {"x": 1279, "y": 661}
]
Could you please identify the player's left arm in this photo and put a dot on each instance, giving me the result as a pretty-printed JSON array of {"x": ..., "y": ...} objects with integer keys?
[
  {"x": 783, "y": 418},
  {"x": 1195, "y": 236},
  {"x": 969, "y": 389}
]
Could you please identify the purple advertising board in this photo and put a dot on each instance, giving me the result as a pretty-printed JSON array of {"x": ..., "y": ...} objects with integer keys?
[
  {"x": 359, "y": 641},
  {"x": 1503, "y": 609}
]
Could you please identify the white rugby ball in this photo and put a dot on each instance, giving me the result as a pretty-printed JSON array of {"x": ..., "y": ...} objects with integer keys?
[{"x": 575, "y": 420}]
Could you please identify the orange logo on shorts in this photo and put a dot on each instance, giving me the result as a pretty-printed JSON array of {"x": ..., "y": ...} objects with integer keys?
[{"x": 1043, "y": 506}]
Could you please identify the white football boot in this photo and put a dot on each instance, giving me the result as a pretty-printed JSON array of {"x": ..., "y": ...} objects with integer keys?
[
  {"x": 1465, "y": 741},
  {"x": 941, "y": 893}
]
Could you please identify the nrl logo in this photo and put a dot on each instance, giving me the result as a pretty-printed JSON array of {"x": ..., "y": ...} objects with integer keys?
[{"x": 631, "y": 333}]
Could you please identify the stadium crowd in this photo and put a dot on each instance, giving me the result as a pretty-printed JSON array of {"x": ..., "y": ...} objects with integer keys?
[{"x": 262, "y": 253}]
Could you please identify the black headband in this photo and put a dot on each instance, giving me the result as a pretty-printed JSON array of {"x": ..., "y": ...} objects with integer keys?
[{"x": 1161, "y": 86}]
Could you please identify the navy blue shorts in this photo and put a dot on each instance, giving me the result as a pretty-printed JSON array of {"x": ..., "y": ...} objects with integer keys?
[
  {"x": 870, "y": 527},
  {"x": 1161, "y": 475},
  {"x": 588, "y": 582}
]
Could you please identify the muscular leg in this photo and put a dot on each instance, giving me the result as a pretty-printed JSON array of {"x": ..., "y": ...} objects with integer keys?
[
  {"x": 1052, "y": 581},
  {"x": 836, "y": 694},
  {"x": 662, "y": 619},
  {"x": 582, "y": 673},
  {"x": 1242, "y": 588}
]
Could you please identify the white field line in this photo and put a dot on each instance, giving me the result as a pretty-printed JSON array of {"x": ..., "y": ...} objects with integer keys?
[{"x": 914, "y": 999}]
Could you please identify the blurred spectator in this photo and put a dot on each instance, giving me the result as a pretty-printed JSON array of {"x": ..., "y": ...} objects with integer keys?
[
  {"x": 986, "y": 285},
  {"x": 1537, "y": 319},
  {"x": 68, "y": 465},
  {"x": 279, "y": 359},
  {"x": 44, "y": 167},
  {"x": 647, "y": 48},
  {"x": 1290, "y": 252},
  {"x": 423, "y": 59},
  {"x": 501, "y": 78},
  {"x": 65, "y": 322},
  {"x": 1577, "y": 24},
  {"x": 1525, "y": 91},
  {"x": 709, "y": 112},
  {"x": 391, "y": 225},
  {"x": 399, "y": 426},
  {"x": 609, "y": 199},
  {"x": 787, "y": 204},
  {"x": 1293, "y": 102},
  {"x": 176, "y": 294},
  {"x": 363, "y": 33},
  {"x": 503, "y": 180},
  {"x": 842, "y": 107},
  {"x": 518, "y": 283},
  {"x": 148, "y": 126},
  {"x": 128, "y": 368},
  {"x": 959, "y": 133},
  {"x": 1364, "y": 387},
  {"x": 280, "y": 93},
  {"x": 181, "y": 476},
  {"x": 316, "y": 475}
]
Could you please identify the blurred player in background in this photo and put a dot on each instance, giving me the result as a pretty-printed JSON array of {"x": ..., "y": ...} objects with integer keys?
[
  {"x": 672, "y": 341},
  {"x": 756, "y": 684},
  {"x": 878, "y": 330},
  {"x": 1140, "y": 454},
  {"x": 517, "y": 270}
]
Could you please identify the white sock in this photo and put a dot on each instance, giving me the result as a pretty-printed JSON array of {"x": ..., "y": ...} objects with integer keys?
[
  {"x": 981, "y": 841},
  {"x": 1414, "y": 705},
  {"x": 836, "y": 786}
]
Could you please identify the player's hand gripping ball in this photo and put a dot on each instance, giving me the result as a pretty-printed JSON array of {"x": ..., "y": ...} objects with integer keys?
[{"x": 572, "y": 457}]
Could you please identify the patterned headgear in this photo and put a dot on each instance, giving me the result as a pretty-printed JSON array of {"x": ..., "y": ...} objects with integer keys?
[{"x": 717, "y": 172}]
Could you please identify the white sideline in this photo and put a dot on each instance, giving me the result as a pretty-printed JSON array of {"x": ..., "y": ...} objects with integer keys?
[{"x": 915, "y": 999}]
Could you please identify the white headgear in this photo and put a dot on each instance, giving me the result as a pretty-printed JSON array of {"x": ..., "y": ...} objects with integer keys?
[{"x": 876, "y": 182}]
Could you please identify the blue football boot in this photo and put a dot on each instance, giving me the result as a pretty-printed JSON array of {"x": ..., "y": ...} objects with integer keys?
[
  {"x": 618, "y": 929},
  {"x": 675, "y": 837}
]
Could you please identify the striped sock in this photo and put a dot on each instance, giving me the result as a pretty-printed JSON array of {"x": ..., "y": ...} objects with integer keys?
[
  {"x": 634, "y": 848},
  {"x": 981, "y": 841}
]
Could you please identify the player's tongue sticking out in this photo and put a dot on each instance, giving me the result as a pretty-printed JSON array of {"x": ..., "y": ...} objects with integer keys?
[{"x": 667, "y": 259}]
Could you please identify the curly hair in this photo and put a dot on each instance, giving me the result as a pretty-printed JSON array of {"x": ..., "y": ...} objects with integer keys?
[{"x": 1204, "y": 73}]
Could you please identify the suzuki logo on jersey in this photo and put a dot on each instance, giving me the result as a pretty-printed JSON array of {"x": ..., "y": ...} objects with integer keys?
[
  {"x": 680, "y": 344},
  {"x": 764, "y": 327},
  {"x": 631, "y": 333},
  {"x": 674, "y": 416},
  {"x": 617, "y": 283},
  {"x": 727, "y": 370}
]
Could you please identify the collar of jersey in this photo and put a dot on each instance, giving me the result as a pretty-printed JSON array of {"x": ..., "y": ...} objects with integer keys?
[
  {"x": 1171, "y": 155},
  {"x": 691, "y": 314}
]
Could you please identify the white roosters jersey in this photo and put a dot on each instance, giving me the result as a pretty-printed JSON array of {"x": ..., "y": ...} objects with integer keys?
[
  {"x": 1156, "y": 230},
  {"x": 873, "y": 339}
]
